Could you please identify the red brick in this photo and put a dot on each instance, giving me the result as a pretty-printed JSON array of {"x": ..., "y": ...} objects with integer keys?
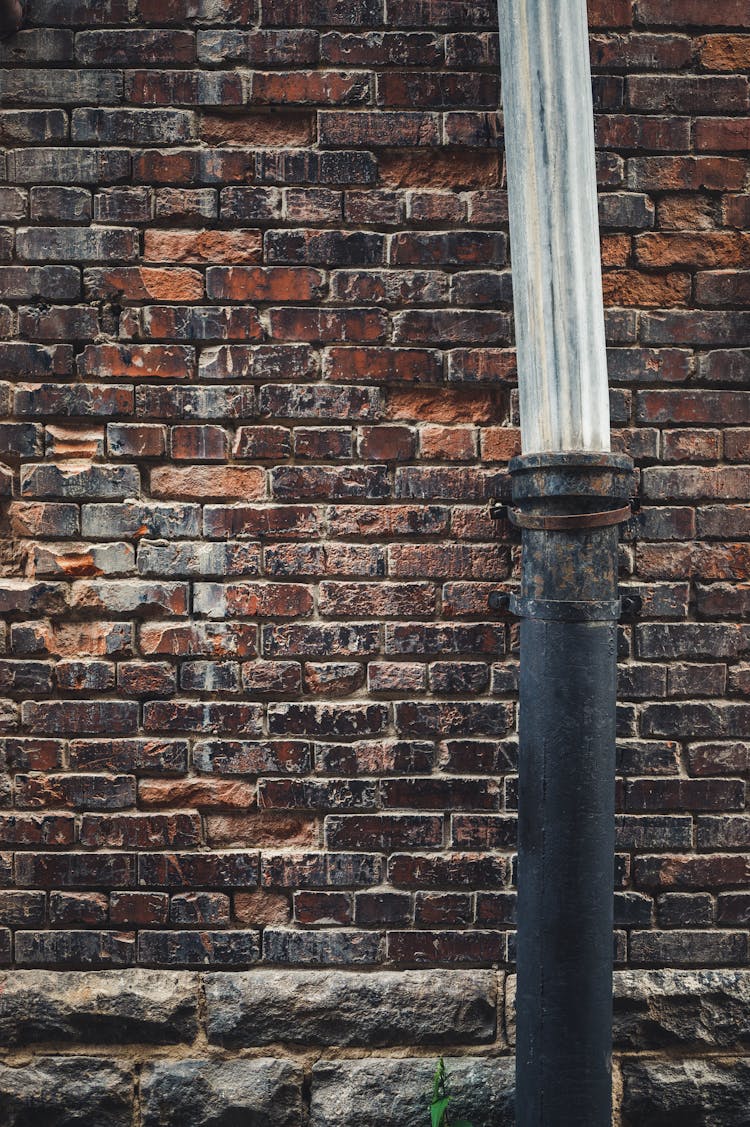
[
  {"x": 144, "y": 283},
  {"x": 610, "y": 13},
  {"x": 208, "y": 482},
  {"x": 317, "y": 88},
  {"x": 256, "y": 129},
  {"x": 725, "y": 52},
  {"x": 202, "y": 246},
  {"x": 293, "y": 312},
  {"x": 280, "y": 283},
  {"x": 724, "y": 13}
]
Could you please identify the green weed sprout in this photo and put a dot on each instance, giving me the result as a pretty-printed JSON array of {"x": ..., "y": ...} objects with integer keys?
[{"x": 441, "y": 1100}]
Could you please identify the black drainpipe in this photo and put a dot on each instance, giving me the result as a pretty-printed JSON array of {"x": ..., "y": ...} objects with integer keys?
[{"x": 569, "y": 507}]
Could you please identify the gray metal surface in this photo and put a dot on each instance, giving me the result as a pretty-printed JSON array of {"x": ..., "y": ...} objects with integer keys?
[{"x": 554, "y": 226}]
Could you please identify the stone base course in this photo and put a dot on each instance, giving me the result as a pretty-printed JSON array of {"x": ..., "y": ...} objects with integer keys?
[
  {"x": 199, "y": 1093},
  {"x": 140, "y": 1048},
  {"x": 99, "y": 1007},
  {"x": 688, "y": 1093},
  {"x": 338, "y": 1008},
  {"x": 59, "y": 1092},
  {"x": 372, "y": 1092}
]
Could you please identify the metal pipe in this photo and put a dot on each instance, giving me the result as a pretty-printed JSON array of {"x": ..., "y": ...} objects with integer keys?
[
  {"x": 569, "y": 607},
  {"x": 569, "y": 495},
  {"x": 11, "y": 17},
  {"x": 557, "y": 285}
]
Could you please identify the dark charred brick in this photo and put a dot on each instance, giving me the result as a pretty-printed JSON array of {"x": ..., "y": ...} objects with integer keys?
[
  {"x": 75, "y": 949},
  {"x": 382, "y": 909},
  {"x": 454, "y": 948},
  {"x": 327, "y": 719},
  {"x": 71, "y": 870},
  {"x": 454, "y": 870},
  {"x": 322, "y": 948},
  {"x": 82, "y": 908},
  {"x": 198, "y": 870},
  {"x": 198, "y": 948}
]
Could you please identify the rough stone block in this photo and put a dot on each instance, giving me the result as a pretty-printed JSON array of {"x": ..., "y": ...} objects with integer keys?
[
  {"x": 253, "y": 1093},
  {"x": 103, "y": 1007},
  {"x": 396, "y": 1093},
  {"x": 692, "y": 1093},
  {"x": 66, "y": 1091},
  {"x": 664, "y": 1008},
  {"x": 338, "y": 1008}
]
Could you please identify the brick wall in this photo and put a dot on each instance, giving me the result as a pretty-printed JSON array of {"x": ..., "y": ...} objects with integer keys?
[{"x": 257, "y": 390}]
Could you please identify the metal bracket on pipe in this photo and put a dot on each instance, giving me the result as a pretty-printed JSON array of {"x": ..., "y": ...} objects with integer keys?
[
  {"x": 501, "y": 601},
  {"x": 625, "y": 609},
  {"x": 559, "y": 610},
  {"x": 564, "y": 522},
  {"x": 632, "y": 605}
]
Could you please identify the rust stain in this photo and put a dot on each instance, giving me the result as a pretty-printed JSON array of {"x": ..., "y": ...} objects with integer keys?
[{"x": 79, "y": 566}]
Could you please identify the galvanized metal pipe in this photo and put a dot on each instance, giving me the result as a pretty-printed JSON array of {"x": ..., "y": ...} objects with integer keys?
[
  {"x": 557, "y": 285},
  {"x": 566, "y": 488}
]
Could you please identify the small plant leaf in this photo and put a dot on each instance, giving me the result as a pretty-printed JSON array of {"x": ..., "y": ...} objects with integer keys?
[
  {"x": 438, "y": 1081},
  {"x": 438, "y": 1111},
  {"x": 461, "y": 1123}
]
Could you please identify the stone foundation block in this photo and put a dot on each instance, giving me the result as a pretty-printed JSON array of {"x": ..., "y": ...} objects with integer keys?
[
  {"x": 688, "y": 1093},
  {"x": 396, "y": 1093},
  {"x": 660, "y": 1008},
  {"x": 239, "y": 1093},
  {"x": 71, "y": 1092},
  {"x": 98, "y": 1007},
  {"x": 339, "y": 1008},
  {"x": 656, "y": 1009}
]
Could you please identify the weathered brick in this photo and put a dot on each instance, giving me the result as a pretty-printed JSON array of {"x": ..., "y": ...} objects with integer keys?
[
  {"x": 258, "y": 47},
  {"x": 198, "y": 870},
  {"x": 197, "y": 482},
  {"x": 140, "y": 831},
  {"x": 454, "y": 870},
  {"x": 76, "y": 244},
  {"x": 75, "y": 948},
  {"x": 386, "y": 600},
  {"x": 133, "y": 909},
  {"x": 50, "y": 870},
  {"x": 370, "y": 129},
  {"x": 61, "y": 86},
  {"x": 183, "y": 88},
  {"x": 202, "y": 716},
  {"x": 239, "y": 757},
  {"x": 322, "y": 948},
  {"x": 209, "y": 639},
  {"x": 692, "y": 12},
  {"x": 198, "y": 166},
  {"x": 36, "y": 829},
  {"x": 687, "y": 948},
  {"x": 139, "y": 47},
  {"x": 66, "y": 166},
  {"x": 294, "y": 166},
  {"x": 454, "y": 947},
  {"x": 68, "y": 480},
  {"x": 334, "y": 325},
  {"x": 80, "y": 717},
  {"x": 324, "y": 13},
  {"x": 87, "y": 792},
  {"x": 327, "y": 719},
  {"x": 198, "y": 948}
]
